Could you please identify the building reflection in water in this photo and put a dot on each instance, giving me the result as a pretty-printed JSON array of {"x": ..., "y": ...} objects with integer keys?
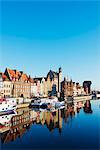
[
  {"x": 26, "y": 117},
  {"x": 87, "y": 107}
]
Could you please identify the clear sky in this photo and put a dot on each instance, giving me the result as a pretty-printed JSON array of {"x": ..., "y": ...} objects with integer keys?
[{"x": 38, "y": 36}]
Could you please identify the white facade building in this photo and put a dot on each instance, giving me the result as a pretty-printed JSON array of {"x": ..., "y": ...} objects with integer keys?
[
  {"x": 1, "y": 85},
  {"x": 43, "y": 86},
  {"x": 7, "y": 89},
  {"x": 34, "y": 89}
]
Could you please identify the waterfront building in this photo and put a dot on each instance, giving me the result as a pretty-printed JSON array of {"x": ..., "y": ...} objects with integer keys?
[
  {"x": 21, "y": 86},
  {"x": 54, "y": 81},
  {"x": 41, "y": 86},
  {"x": 67, "y": 88},
  {"x": 49, "y": 85},
  {"x": 6, "y": 86},
  {"x": 1, "y": 85},
  {"x": 34, "y": 89},
  {"x": 80, "y": 90},
  {"x": 33, "y": 85},
  {"x": 75, "y": 90},
  {"x": 87, "y": 87}
]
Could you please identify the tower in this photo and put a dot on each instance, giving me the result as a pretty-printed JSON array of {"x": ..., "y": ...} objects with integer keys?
[
  {"x": 87, "y": 86},
  {"x": 59, "y": 79}
]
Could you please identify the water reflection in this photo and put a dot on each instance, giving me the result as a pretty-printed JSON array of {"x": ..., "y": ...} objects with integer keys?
[
  {"x": 26, "y": 117},
  {"x": 87, "y": 107}
]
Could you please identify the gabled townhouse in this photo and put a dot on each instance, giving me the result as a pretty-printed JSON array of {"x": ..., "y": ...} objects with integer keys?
[
  {"x": 49, "y": 85},
  {"x": 41, "y": 86},
  {"x": 1, "y": 85},
  {"x": 34, "y": 87},
  {"x": 21, "y": 86},
  {"x": 7, "y": 86},
  {"x": 54, "y": 81}
]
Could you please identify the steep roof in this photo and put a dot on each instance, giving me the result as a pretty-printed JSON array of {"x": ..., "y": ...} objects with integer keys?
[
  {"x": 39, "y": 78},
  {"x": 24, "y": 77},
  {"x": 31, "y": 79},
  {"x": 52, "y": 74},
  {"x": 16, "y": 74},
  {"x": 4, "y": 77}
]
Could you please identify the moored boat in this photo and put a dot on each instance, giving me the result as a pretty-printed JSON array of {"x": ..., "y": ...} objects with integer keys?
[
  {"x": 6, "y": 107},
  {"x": 59, "y": 104}
]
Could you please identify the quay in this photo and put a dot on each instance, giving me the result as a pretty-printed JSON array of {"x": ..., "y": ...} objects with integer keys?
[
  {"x": 81, "y": 98},
  {"x": 22, "y": 105},
  {"x": 78, "y": 98}
]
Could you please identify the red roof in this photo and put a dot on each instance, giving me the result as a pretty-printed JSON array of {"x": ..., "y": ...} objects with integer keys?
[
  {"x": 4, "y": 77},
  {"x": 17, "y": 75}
]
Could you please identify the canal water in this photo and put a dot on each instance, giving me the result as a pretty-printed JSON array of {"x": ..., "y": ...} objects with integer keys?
[{"x": 77, "y": 126}]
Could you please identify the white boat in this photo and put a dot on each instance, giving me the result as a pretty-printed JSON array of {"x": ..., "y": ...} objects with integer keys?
[
  {"x": 49, "y": 100},
  {"x": 98, "y": 95},
  {"x": 6, "y": 107},
  {"x": 42, "y": 110},
  {"x": 59, "y": 104},
  {"x": 62, "y": 107},
  {"x": 35, "y": 105}
]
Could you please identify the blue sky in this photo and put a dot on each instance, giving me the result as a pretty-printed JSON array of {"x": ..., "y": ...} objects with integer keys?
[{"x": 38, "y": 36}]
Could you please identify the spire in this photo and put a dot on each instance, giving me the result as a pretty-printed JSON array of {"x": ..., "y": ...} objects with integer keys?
[
  {"x": 60, "y": 69},
  {"x": 65, "y": 79},
  {"x": 70, "y": 79}
]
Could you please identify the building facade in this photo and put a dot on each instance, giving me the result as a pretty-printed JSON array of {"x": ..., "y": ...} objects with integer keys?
[
  {"x": 21, "y": 86},
  {"x": 54, "y": 82},
  {"x": 49, "y": 85},
  {"x": 87, "y": 86},
  {"x": 6, "y": 86},
  {"x": 67, "y": 88},
  {"x": 1, "y": 85},
  {"x": 41, "y": 86}
]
